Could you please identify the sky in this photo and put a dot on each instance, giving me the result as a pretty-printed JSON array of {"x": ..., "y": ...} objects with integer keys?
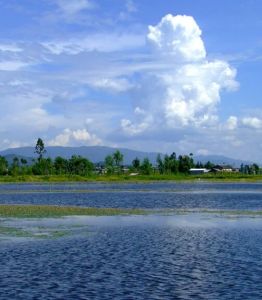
[{"x": 167, "y": 76}]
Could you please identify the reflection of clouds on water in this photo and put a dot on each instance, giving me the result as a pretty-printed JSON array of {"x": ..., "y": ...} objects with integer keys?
[
  {"x": 214, "y": 221},
  {"x": 79, "y": 225},
  {"x": 183, "y": 256}
]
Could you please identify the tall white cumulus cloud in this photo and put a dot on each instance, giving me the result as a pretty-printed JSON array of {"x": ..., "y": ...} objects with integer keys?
[
  {"x": 178, "y": 36},
  {"x": 185, "y": 87}
]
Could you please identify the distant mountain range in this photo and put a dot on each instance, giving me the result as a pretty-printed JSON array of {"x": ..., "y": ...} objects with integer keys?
[
  {"x": 10, "y": 157},
  {"x": 220, "y": 159},
  {"x": 94, "y": 153},
  {"x": 98, "y": 153}
]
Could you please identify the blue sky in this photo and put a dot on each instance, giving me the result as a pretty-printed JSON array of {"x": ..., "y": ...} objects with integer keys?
[{"x": 163, "y": 76}]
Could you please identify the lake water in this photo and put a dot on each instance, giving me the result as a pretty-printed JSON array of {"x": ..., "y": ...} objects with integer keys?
[
  {"x": 182, "y": 256},
  {"x": 148, "y": 195}
]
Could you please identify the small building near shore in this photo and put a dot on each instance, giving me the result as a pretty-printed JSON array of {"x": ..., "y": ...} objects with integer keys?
[
  {"x": 222, "y": 168},
  {"x": 198, "y": 171}
]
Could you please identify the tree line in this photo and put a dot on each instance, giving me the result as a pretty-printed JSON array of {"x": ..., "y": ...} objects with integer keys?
[{"x": 113, "y": 164}]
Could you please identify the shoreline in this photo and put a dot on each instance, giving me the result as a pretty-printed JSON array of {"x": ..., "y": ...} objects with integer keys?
[{"x": 132, "y": 179}]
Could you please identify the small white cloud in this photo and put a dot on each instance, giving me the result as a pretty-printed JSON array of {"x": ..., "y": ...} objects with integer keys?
[
  {"x": 231, "y": 123},
  {"x": 134, "y": 129},
  {"x": 232, "y": 140},
  {"x": 252, "y": 122},
  {"x": 10, "y": 48},
  {"x": 139, "y": 111},
  {"x": 6, "y": 143},
  {"x": 72, "y": 7},
  {"x": 18, "y": 83},
  {"x": 72, "y": 137},
  {"x": 89, "y": 121},
  {"x": 203, "y": 152},
  {"x": 12, "y": 65},
  {"x": 130, "y": 6},
  {"x": 111, "y": 84}
]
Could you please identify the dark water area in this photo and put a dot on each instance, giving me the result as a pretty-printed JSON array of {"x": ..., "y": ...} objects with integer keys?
[
  {"x": 170, "y": 195},
  {"x": 145, "y": 257},
  {"x": 187, "y": 256}
]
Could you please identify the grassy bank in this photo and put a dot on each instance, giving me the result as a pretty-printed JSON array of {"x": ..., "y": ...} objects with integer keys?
[
  {"x": 127, "y": 178},
  {"x": 46, "y": 211}
]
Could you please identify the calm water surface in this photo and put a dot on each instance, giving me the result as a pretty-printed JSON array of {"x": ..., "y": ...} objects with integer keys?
[
  {"x": 192, "y": 256},
  {"x": 149, "y": 195}
]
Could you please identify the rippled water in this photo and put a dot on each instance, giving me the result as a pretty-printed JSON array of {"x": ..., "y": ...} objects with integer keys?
[
  {"x": 191, "y": 256},
  {"x": 149, "y": 195}
]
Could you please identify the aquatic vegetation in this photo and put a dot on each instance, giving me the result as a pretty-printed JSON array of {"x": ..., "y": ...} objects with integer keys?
[
  {"x": 46, "y": 211},
  {"x": 44, "y": 233},
  {"x": 12, "y": 231},
  {"x": 49, "y": 211}
]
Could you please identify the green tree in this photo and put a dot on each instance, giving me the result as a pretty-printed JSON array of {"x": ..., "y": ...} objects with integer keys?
[
  {"x": 40, "y": 149},
  {"x": 199, "y": 165},
  {"x": 136, "y": 164},
  {"x": 3, "y": 166},
  {"x": 167, "y": 164},
  {"x": 118, "y": 158},
  {"x": 160, "y": 164},
  {"x": 209, "y": 165},
  {"x": 173, "y": 163},
  {"x": 24, "y": 168},
  {"x": 146, "y": 167},
  {"x": 23, "y": 161},
  {"x": 79, "y": 165},
  {"x": 185, "y": 163},
  {"x": 109, "y": 164},
  {"x": 15, "y": 166},
  {"x": 61, "y": 165},
  {"x": 44, "y": 166},
  {"x": 255, "y": 169}
]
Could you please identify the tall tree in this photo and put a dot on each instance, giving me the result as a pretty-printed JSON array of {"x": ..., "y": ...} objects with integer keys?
[
  {"x": 3, "y": 165},
  {"x": 167, "y": 164},
  {"x": 136, "y": 164},
  {"x": 160, "y": 164},
  {"x": 185, "y": 163},
  {"x": 173, "y": 163},
  {"x": 109, "y": 164},
  {"x": 209, "y": 165},
  {"x": 15, "y": 166},
  {"x": 40, "y": 149},
  {"x": 24, "y": 168},
  {"x": 118, "y": 158},
  {"x": 146, "y": 167},
  {"x": 255, "y": 169}
]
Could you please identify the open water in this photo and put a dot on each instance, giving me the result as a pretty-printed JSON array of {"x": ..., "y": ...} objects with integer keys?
[{"x": 182, "y": 256}]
